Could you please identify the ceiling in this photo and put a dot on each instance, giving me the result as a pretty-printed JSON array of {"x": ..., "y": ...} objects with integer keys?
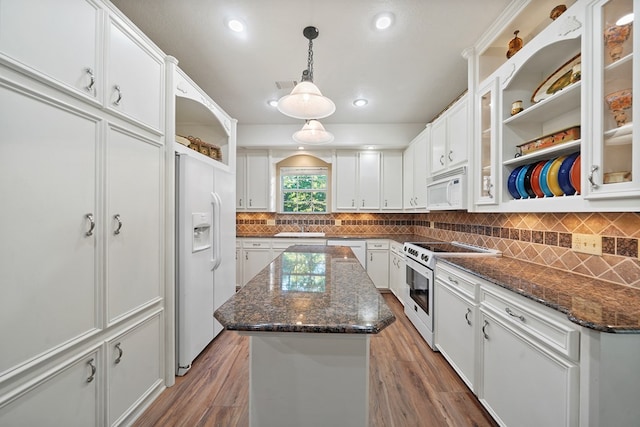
[{"x": 409, "y": 72}]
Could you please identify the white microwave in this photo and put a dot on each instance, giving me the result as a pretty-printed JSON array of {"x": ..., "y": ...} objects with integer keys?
[{"x": 448, "y": 193}]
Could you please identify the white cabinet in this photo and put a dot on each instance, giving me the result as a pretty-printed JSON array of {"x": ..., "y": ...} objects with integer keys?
[
  {"x": 397, "y": 281},
  {"x": 378, "y": 262},
  {"x": 239, "y": 281},
  {"x": 484, "y": 181},
  {"x": 256, "y": 255},
  {"x": 391, "y": 180},
  {"x": 135, "y": 77},
  {"x": 56, "y": 41},
  {"x": 450, "y": 138},
  {"x": 455, "y": 321},
  {"x": 414, "y": 163},
  {"x": 357, "y": 177},
  {"x": 133, "y": 224},
  {"x": 253, "y": 181}
]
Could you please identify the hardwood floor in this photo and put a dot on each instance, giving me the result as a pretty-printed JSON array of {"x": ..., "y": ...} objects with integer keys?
[{"x": 410, "y": 385}]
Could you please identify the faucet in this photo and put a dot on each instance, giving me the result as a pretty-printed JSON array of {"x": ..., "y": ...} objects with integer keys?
[{"x": 302, "y": 228}]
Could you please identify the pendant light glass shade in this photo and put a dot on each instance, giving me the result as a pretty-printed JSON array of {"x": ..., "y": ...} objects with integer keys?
[
  {"x": 313, "y": 133},
  {"x": 306, "y": 102}
]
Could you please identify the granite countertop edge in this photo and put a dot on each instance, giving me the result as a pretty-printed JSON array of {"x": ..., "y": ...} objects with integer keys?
[{"x": 314, "y": 329}]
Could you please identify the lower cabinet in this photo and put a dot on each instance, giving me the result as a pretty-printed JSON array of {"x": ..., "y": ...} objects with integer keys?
[
  {"x": 256, "y": 255},
  {"x": 378, "y": 262},
  {"x": 397, "y": 281}
]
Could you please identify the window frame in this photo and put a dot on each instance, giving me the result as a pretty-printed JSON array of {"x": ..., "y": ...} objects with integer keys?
[{"x": 285, "y": 171}]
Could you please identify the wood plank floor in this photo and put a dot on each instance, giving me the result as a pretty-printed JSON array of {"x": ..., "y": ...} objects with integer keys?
[{"x": 410, "y": 385}]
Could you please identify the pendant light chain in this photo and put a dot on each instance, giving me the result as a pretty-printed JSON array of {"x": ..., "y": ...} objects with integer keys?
[{"x": 310, "y": 61}]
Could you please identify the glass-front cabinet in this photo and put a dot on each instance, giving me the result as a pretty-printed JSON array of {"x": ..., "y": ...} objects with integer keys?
[
  {"x": 613, "y": 164},
  {"x": 485, "y": 187}
]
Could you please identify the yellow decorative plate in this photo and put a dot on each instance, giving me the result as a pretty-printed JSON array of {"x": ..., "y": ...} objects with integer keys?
[{"x": 552, "y": 176}]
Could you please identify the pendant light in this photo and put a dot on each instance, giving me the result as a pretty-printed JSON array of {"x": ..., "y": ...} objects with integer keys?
[
  {"x": 313, "y": 133},
  {"x": 305, "y": 100}
]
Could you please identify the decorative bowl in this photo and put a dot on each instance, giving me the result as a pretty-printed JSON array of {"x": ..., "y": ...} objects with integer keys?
[
  {"x": 618, "y": 102},
  {"x": 614, "y": 37}
]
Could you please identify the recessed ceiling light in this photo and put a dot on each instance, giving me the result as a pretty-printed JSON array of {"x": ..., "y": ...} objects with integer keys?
[
  {"x": 360, "y": 102},
  {"x": 370, "y": 147},
  {"x": 625, "y": 19},
  {"x": 236, "y": 24},
  {"x": 382, "y": 21},
  {"x": 273, "y": 102},
  {"x": 301, "y": 148}
]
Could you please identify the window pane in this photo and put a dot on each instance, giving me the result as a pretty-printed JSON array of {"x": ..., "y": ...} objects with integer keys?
[
  {"x": 320, "y": 182},
  {"x": 289, "y": 182}
]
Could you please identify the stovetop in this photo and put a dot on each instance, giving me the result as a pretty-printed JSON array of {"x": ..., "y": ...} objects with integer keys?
[{"x": 427, "y": 251}]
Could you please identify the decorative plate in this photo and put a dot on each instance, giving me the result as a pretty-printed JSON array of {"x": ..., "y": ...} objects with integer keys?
[
  {"x": 564, "y": 178},
  {"x": 574, "y": 174},
  {"x": 511, "y": 183},
  {"x": 520, "y": 182},
  {"x": 535, "y": 179},
  {"x": 543, "y": 179},
  {"x": 560, "y": 79},
  {"x": 552, "y": 176},
  {"x": 527, "y": 181}
]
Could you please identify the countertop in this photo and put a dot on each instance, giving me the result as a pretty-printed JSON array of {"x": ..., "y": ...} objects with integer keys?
[
  {"x": 321, "y": 289},
  {"x": 589, "y": 302},
  {"x": 400, "y": 238}
]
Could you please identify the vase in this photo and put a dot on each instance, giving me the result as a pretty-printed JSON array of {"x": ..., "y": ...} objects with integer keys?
[
  {"x": 614, "y": 37},
  {"x": 557, "y": 11},
  {"x": 618, "y": 102},
  {"x": 514, "y": 45}
]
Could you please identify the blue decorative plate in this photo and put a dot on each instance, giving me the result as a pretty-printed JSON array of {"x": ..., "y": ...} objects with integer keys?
[
  {"x": 564, "y": 175},
  {"x": 543, "y": 179},
  {"x": 520, "y": 182},
  {"x": 511, "y": 183},
  {"x": 527, "y": 180}
]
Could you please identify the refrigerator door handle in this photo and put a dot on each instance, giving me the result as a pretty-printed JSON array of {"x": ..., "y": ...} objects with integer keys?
[{"x": 216, "y": 203}]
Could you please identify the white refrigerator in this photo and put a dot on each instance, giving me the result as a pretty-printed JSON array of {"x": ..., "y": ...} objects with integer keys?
[{"x": 205, "y": 255}]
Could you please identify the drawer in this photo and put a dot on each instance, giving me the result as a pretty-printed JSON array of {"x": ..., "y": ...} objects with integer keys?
[
  {"x": 541, "y": 324},
  {"x": 457, "y": 280},
  {"x": 377, "y": 244},
  {"x": 396, "y": 247},
  {"x": 256, "y": 244}
]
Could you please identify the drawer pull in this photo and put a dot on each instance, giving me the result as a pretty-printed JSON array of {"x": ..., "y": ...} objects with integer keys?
[
  {"x": 466, "y": 316},
  {"x": 92, "y": 224},
  {"x": 117, "y": 101},
  {"x": 93, "y": 371},
  {"x": 120, "y": 353},
  {"x": 117, "y": 218},
  {"x": 512, "y": 314},
  {"x": 484, "y": 332},
  {"x": 452, "y": 280},
  {"x": 92, "y": 81}
]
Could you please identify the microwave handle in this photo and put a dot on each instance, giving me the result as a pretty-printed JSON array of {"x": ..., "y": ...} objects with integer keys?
[{"x": 449, "y": 184}]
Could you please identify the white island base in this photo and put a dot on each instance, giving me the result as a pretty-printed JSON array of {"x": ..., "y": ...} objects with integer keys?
[{"x": 308, "y": 379}]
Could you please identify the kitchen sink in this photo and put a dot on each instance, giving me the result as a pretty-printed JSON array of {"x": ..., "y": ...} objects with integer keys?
[{"x": 300, "y": 234}]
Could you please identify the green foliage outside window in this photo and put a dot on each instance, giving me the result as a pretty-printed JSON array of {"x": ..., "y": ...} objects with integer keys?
[{"x": 304, "y": 193}]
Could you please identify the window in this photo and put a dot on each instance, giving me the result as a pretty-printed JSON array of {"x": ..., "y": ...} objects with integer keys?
[{"x": 304, "y": 189}]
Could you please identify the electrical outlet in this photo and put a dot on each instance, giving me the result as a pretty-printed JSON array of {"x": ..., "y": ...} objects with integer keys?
[
  {"x": 338, "y": 222},
  {"x": 587, "y": 243},
  {"x": 271, "y": 222}
]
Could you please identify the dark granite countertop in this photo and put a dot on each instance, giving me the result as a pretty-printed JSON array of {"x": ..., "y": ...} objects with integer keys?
[
  {"x": 589, "y": 302},
  {"x": 321, "y": 289}
]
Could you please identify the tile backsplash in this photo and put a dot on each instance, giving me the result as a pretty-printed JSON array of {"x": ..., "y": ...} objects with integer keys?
[{"x": 544, "y": 239}]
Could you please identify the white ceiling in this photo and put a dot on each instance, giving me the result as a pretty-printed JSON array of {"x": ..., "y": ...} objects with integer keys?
[{"x": 409, "y": 72}]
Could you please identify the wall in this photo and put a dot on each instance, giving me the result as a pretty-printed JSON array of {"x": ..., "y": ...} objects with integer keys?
[{"x": 544, "y": 239}]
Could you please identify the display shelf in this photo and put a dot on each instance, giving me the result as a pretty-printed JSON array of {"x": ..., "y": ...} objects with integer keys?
[
  {"x": 545, "y": 153},
  {"x": 561, "y": 102},
  {"x": 621, "y": 69},
  {"x": 619, "y": 136}
]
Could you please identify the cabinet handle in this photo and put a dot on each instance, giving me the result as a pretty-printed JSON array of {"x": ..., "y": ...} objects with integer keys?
[
  {"x": 246, "y": 256},
  {"x": 93, "y": 370},
  {"x": 92, "y": 80},
  {"x": 484, "y": 332},
  {"x": 442, "y": 160},
  {"x": 117, "y": 89},
  {"x": 363, "y": 203},
  {"x": 240, "y": 203},
  {"x": 452, "y": 280},
  {"x": 353, "y": 203},
  {"x": 449, "y": 156},
  {"x": 370, "y": 256},
  {"x": 385, "y": 203},
  {"x": 120, "y": 353},
  {"x": 92, "y": 224},
  {"x": 117, "y": 218},
  {"x": 250, "y": 202},
  {"x": 415, "y": 201},
  {"x": 466, "y": 316},
  {"x": 489, "y": 187},
  {"x": 590, "y": 177},
  {"x": 512, "y": 314}
]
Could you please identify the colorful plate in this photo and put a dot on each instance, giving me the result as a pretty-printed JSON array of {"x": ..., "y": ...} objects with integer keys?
[
  {"x": 552, "y": 176},
  {"x": 527, "y": 181},
  {"x": 520, "y": 182},
  {"x": 543, "y": 179},
  {"x": 511, "y": 183},
  {"x": 574, "y": 174},
  {"x": 564, "y": 178},
  {"x": 535, "y": 179}
]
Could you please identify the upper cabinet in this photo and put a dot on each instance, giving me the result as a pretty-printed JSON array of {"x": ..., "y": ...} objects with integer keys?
[
  {"x": 253, "y": 182},
  {"x": 546, "y": 135},
  {"x": 357, "y": 179},
  {"x": 415, "y": 172},
  {"x": 391, "y": 180},
  {"x": 450, "y": 138}
]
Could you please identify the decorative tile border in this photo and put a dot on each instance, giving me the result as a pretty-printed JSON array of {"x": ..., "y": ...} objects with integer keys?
[{"x": 543, "y": 239}]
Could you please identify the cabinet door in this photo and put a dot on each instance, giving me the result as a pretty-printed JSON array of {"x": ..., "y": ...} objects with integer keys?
[
  {"x": 48, "y": 180},
  {"x": 484, "y": 185},
  {"x": 66, "y": 396},
  {"x": 346, "y": 181},
  {"x": 396, "y": 276},
  {"x": 135, "y": 77},
  {"x": 241, "y": 171},
  {"x": 455, "y": 333},
  {"x": 420, "y": 170},
  {"x": 57, "y": 40},
  {"x": 392, "y": 180},
  {"x": 134, "y": 226},
  {"x": 134, "y": 368},
  {"x": 438, "y": 145},
  {"x": 254, "y": 260},
  {"x": 239, "y": 281},
  {"x": 369, "y": 180},
  {"x": 407, "y": 177},
  {"x": 257, "y": 175},
  {"x": 457, "y": 134},
  {"x": 378, "y": 268},
  {"x": 523, "y": 384}
]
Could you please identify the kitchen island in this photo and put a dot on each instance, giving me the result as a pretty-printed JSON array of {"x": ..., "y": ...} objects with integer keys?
[{"x": 309, "y": 315}]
